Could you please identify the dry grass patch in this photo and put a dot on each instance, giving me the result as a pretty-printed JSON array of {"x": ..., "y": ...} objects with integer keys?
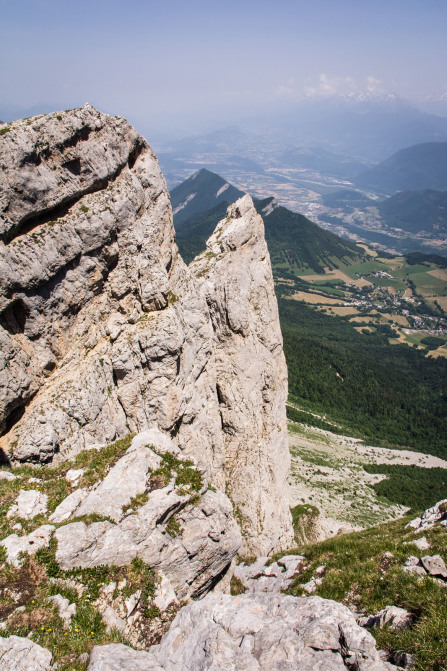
[
  {"x": 315, "y": 299},
  {"x": 398, "y": 319},
  {"x": 441, "y": 351},
  {"x": 438, "y": 273},
  {"x": 442, "y": 300},
  {"x": 368, "y": 250},
  {"x": 345, "y": 310}
]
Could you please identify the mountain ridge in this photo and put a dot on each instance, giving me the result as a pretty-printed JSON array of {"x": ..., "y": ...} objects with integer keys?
[
  {"x": 417, "y": 167},
  {"x": 308, "y": 244}
]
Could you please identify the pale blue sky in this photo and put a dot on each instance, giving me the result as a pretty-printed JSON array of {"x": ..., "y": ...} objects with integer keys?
[{"x": 161, "y": 62}]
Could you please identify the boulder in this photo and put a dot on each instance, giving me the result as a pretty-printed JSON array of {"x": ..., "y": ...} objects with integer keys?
[
  {"x": 6, "y": 475},
  {"x": 392, "y": 616},
  {"x": 421, "y": 543},
  {"x": 414, "y": 565},
  {"x": 21, "y": 654},
  {"x": 435, "y": 566},
  {"x": 74, "y": 474}
]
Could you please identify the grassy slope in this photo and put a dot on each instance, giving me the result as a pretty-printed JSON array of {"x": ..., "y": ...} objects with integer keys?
[
  {"x": 360, "y": 575},
  {"x": 296, "y": 243}
]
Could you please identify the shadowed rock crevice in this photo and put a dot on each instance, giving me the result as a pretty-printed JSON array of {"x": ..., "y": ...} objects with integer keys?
[
  {"x": 13, "y": 317},
  {"x": 14, "y": 416},
  {"x": 212, "y": 582}
]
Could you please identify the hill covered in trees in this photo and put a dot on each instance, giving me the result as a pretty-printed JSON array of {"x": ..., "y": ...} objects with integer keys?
[{"x": 390, "y": 394}]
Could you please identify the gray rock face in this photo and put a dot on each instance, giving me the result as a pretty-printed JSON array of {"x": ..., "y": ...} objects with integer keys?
[
  {"x": 260, "y": 577},
  {"x": 191, "y": 537},
  {"x": 118, "y": 657},
  {"x": 103, "y": 330},
  {"x": 128, "y": 478},
  {"x": 21, "y": 654},
  {"x": 235, "y": 275},
  {"x": 68, "y": 506},
  {"x": 263, "y": 632}
]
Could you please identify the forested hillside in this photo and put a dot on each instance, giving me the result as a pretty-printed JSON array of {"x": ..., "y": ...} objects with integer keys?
[
  {"x": 414, "y": 211},
  {"x": 386, "y": 393},
  {"x": 295, "y": 243}
]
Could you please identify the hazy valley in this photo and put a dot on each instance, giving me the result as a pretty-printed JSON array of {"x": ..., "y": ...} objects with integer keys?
[{"x": 348, "y": 191}]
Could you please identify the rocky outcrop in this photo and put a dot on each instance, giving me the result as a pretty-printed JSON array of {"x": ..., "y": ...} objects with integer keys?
[
  {"x": 392, "y": 616},
  {"x": 255, "y": 633},
  {"x": 153, "y": 505},
  {"x": 104, "y": 331},
  {"x": 235, "y": 275},
  {"x": 437, "y": 514}
]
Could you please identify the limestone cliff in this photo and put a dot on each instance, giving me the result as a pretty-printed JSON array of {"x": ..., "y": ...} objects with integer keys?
[{"x": 105, "y": 331}]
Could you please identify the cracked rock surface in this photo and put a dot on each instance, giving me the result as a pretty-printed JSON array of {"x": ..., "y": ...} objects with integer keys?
[
  {"x": 263, "y": 577},
  {"x": 262, "y": 632}
]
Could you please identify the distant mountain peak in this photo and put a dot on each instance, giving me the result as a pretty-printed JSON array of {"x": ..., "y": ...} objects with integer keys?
[{"x": 202, "y": 191}]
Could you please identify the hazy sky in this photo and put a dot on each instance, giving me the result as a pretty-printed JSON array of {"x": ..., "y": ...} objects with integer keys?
[{"x": 160, "y": 62}]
